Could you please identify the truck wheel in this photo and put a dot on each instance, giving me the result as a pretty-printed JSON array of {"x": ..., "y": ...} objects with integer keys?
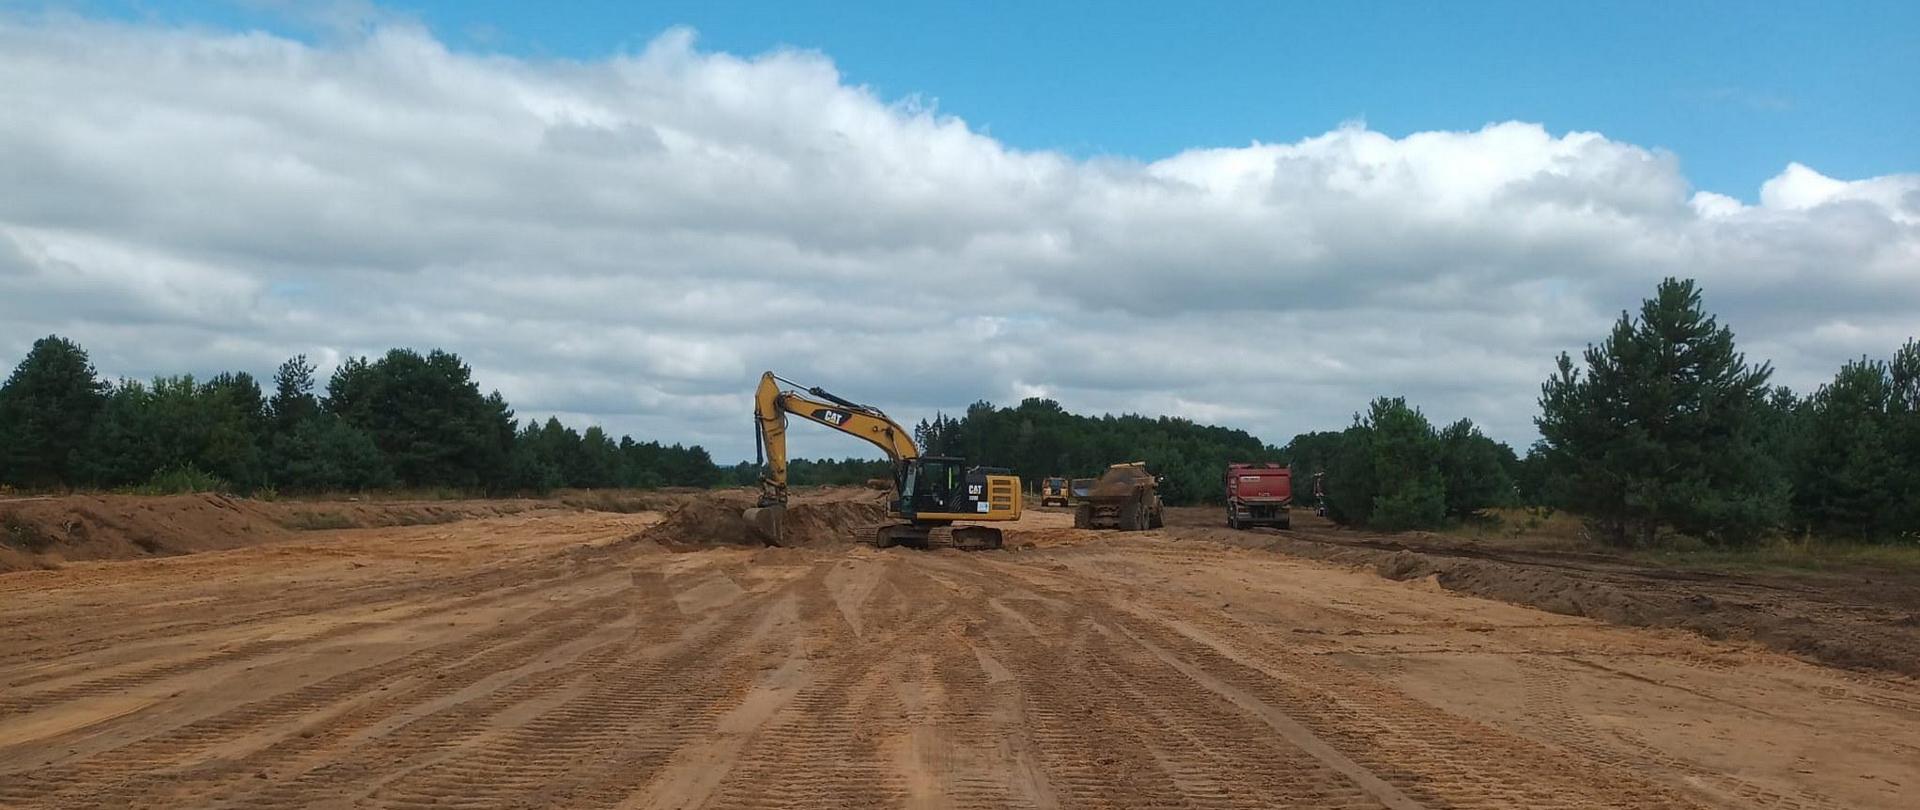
[
  {"x": 1083, "y": 516},
  {"x": 1285, "y": 522},
  {"x": 1156, "y": 519},
  {"x": 1233, "y": 522}
]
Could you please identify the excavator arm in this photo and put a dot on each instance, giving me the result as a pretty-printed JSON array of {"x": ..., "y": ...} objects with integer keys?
[{"x": 772, "y": 403}]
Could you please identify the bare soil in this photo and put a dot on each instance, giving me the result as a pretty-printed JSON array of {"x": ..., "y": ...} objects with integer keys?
[
  {"x": 47, "y": 532},
  {"x": 564, "y": 658},
  {"x": 1861, "y": 619},
  {"x": 814, "y": 517}
]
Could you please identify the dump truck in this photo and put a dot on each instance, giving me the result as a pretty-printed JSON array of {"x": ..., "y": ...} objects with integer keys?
[
  {"x": 1259, "y": 495},
  {"x": 1125, "y": 497},
  {"x": 1054, "y": 492}
]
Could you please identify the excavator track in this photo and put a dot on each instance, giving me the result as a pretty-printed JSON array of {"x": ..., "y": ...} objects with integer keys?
[{"x": 965, "y": 538}]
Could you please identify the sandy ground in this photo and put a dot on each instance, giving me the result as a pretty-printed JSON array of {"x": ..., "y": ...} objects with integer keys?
[{"x": 547, "y": 659}]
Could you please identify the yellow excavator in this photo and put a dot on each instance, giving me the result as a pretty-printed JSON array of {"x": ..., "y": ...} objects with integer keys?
[{"x": 929, "y": 493}]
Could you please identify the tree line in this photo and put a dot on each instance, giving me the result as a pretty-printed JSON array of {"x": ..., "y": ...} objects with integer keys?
[
  {"x": 1392, "y": 469},
  {"x": 803, "y": 472},
  {"x": 404, "y": 419},
  {"x": 1663, "y": 428},
  {"x": 1664, "y": 425},
  {"x": 1040, "y": 438}
]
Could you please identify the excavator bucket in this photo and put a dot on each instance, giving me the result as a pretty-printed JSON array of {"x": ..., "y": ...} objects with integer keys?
[{"x": 767, "y": 524}]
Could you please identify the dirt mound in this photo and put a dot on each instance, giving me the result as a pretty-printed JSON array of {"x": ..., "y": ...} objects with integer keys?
[
  {"x": 44, "y": 532},
  {"x": 321, "y": 515},
  {"x": 39, "y": 533},
  {"x": 833, "y": 522},
  {"x": 628, "y": 501},
  {"x": 711, "y": 520},
  {"x": 814, "y": 518}
]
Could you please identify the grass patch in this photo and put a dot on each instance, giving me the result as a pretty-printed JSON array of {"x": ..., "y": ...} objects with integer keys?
[
  {"x": 317, "y": 521},
  {"x": 1536, "y": 529},
  {"x": 182, "y": 480},
  {"x": 424, "y": 518},
  {"x": 1789, "y": 554},
  {"x": 383, "y": 495},
  {"x": 20, "y": 534},
  {"x": 1533, "y": 528}
]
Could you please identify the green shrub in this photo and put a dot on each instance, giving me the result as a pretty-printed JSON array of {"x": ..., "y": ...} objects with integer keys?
[
  {"x": 181, "y": 480},
  {"x": 18, "y": 533},
  {"x": 1418, "y": 505},
  {"x": 316, "y": 521}
]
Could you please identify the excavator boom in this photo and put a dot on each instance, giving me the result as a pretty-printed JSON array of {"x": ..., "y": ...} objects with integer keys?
[{"x": 772, "y": 403}]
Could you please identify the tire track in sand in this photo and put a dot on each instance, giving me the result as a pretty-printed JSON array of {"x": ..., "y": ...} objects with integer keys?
[{"x": 166, "y": 761}]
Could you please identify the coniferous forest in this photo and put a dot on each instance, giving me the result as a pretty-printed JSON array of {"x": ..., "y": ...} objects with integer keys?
[{"x": 1662, "y": 425}]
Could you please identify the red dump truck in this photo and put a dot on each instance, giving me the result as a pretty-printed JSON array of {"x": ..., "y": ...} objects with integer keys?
[{"x": 1259, "y": 495}]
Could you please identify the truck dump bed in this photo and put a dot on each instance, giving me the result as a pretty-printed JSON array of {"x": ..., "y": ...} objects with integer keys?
[
  {"x": 1259, "y": 482},
  {"x": 1119, "y": 482},
  {"x": 1125, "y": 497},
  {"x": 1259, "y": 495}
]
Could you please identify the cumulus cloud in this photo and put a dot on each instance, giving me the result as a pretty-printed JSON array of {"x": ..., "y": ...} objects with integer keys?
[{"x": 630, "y": 240}]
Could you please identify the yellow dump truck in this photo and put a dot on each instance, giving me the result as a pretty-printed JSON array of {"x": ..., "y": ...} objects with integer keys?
[
  {"x": 1125, "y": 497},
  {"x": 1054, "y": 492}
]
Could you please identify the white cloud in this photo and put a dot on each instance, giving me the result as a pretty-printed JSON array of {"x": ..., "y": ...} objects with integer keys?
[{"x": 631, "y": 240}]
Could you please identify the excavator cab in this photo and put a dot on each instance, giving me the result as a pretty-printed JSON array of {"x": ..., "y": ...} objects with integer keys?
[
  {"x": 934, "y": 484},
  {"x": 941, "y": 489}
]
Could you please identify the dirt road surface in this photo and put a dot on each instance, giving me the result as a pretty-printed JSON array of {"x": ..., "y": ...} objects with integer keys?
[{"x": 548, "y": 660}]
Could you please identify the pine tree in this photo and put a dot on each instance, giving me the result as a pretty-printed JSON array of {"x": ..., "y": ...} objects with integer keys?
[
  {"x": 1663, "y": 427},
  {"x": 325, "y": 454},
  {"x": 1410, "y": 492},
  {"x": 1474, "y": 469},
  {"x": 1856, "y": 437},
  {"x": 427, "y": 416},
  {"x": 1903, "y": 436},
  {"x": 46, "y": 408},
  {"x": 293, "y": 400}
]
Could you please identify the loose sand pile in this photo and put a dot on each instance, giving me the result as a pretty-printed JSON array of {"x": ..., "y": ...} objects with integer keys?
[
  {"x": 43, "y": 532},
  {"x": 1119, "y": 482},
  {"x": 815, "y": 518}
]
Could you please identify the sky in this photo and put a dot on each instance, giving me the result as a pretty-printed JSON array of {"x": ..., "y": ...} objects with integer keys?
[{"x": 1258, "y": 214}]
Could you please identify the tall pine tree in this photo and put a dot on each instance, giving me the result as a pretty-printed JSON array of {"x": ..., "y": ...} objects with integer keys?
[
  {"x": 46, "y": 406},
  {"x": 1663, "y": 427}
]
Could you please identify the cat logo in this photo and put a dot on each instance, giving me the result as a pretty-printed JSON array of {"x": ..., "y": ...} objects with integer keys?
[{"x": 831, "y": 417}]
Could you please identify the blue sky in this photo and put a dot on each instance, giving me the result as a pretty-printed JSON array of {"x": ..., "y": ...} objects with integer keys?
[{"x": 1736, "y": 89}]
